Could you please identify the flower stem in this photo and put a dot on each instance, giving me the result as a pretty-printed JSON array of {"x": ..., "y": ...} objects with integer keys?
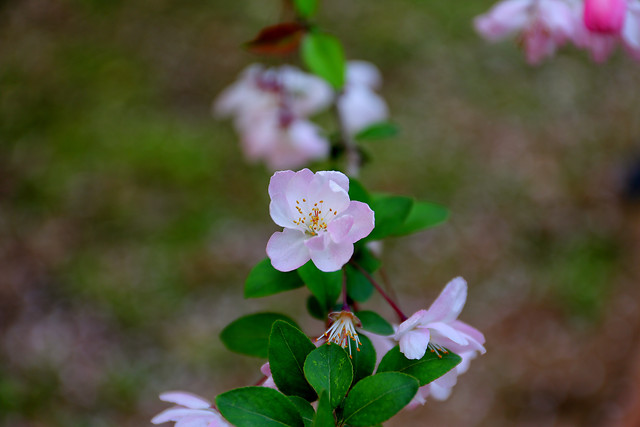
[
  {"x": 376, "y": 285},
  {"x": 345, "y": 304}
]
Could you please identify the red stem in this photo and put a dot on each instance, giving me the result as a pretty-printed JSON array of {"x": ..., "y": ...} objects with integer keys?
[{"x": 375, "y": 284}]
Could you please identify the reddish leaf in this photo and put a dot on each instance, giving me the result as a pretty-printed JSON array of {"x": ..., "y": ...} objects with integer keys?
[{"x": 278, "y": 39}]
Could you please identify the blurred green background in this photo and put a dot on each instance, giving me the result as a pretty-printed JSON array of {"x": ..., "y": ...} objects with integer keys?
[{"x": 129, "y": 219}]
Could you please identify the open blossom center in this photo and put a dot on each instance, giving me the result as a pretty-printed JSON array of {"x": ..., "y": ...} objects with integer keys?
[
  {"x": 313, "y": 219},
  {"x": 342, "y": 331}
]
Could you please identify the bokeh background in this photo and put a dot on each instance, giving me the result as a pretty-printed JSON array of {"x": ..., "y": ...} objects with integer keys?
[{"x": 129, "y": 219}]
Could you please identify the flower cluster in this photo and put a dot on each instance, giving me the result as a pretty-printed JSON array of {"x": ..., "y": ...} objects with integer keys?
[
  {"x": 544, "y": 25},
  {"x": 271, "y": 108}
]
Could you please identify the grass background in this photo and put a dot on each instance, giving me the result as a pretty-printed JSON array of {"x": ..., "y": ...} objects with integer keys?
[{"x": 129, "y": 219}]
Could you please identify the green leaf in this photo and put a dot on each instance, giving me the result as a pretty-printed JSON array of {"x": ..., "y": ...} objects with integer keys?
[
  {"x": 265, "y": 280},
  {"x": 306, "y": 8},
  {"x": 358, "y": 192},
  {"x": 427, "y": 369},
  {"x": 358, "y": 286},
  {"x": 258, "y": 407},
  {"x": 379, "y": 130},
  {"x": 315, "y": 309},
  {"x": 288, "y": 349},
  {"x": 328, "y": 368},
  {"x": 326, "y": 287},
  {"x": 377, "y": 398},
  {"x": 324, "y": 415},
  {"x": 304, "y": 409},
  {"x": 423, "y": 215},
  {"x": 373, "y": 322},
  {"x": 324, "y": 56},
  {"x": 364, "y": 361},
  {"x": 249, "y": 334},
  {"x": 391, "y": 213}
]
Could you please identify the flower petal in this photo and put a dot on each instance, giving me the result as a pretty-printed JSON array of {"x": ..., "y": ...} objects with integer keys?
[
  {"x": 333, "y": 256},
  {"x": 339, "y": 228},
  {"x": 442, "y": 330},
  {"x": 337, "y": 177},
  {"x": 287, "y": 250},
  {"x": 175, "y": 414},
  {"x": 409, "y": 324},
  {"x": 363, "y": 220},
  {"x": 186, "y": 399},
  {"x": 279, "y": 207},
  {"x": 414, "y": 343},
  {"x": 449, "y": 304}
]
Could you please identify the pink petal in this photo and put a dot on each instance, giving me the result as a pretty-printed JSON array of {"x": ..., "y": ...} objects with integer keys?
[
  {"x": 414, "y": 343},
  {"x": 360, "y": 107},
  {"x": 503, "y": 19},
  {"x": 363, "y": 220},
  {"x": 279, "y": 207},
  {"x": 449, "y": 304},
  {"x": 340, "y": 227},
  {"x": 175, "y": 414},
  {"x": 631, "y": 29},
  {"x": 287, "y": 250},
  {"x": 332, "y": 195},
  {"x": 298, "y": 187},
  {"x": 337, "y": 177},
  {"x": 184, "y": 398},
  {"x": 363, "y": 73},
  {"x": 333, "y": 257},
  {"x": 604, "y": 16},
  {"x": 420, "y": 398},
  {"x": 442, "y": 330},
  {"x": 416, "y": 319}
]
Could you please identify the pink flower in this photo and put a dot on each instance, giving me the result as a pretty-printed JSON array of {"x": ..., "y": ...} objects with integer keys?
[
  {"x": 440, "y": 389},
  {"x": 359, "y": 106},
  {"x": 543, "y": 25},
  {"x": 284, "y": 143},
  {"x": 320, "y": 222},
  {"x": 631, "y": 30},
  {"x": 270, "y": 109},
  {"x": 192, "y": 411},
  {"x": 604, "y": 16},
  {"x": 438, "y": 328}
]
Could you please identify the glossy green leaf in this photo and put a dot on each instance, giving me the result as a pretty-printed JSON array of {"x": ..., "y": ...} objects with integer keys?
[
  {"x": 423, "y": 215},
  {"x": 304, "y": 409},
  {"x": 427, "y": 369},
  {"x": 306, "y": 8},
  {"x": 265, "y": 280},
  {"x": 358, "y": 192},
  {"x": 358, "y": 286},
  {"x": 250, "y": 334},
  {"x": 390, "y": 213},
  {"x": 328, "y": 368},
  {"x": 363, "y": 361},
  {"x": 326, "y": 287},
  {"x": 288, "y": 349},
  {"x": 373, "y": 322},
  {"x": 377, "y": 398},
  {"x": 324, "y": 56},
  {"x": 379, "y": 130},
  {"x": 324, "y": 414},
  {"x": 258, "y": 407}
]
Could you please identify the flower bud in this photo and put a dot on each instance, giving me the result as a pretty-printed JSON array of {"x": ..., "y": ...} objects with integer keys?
[{"x": 604, "y": 16}]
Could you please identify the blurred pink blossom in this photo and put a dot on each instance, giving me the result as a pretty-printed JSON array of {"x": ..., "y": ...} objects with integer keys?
[
  {"x": 320, "y": 222},
  {"x": 604, "y": 16},
  {"x": 437, "y": 328},
  {"x": 270, "y": 108},
  {"x": 268, "y": 382},
  {"x": 543, "y": 25},
  {"x": 192, "y": 411},
  {"x": 440, "y": 389},
  {"x": 359, "y": 105}
]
